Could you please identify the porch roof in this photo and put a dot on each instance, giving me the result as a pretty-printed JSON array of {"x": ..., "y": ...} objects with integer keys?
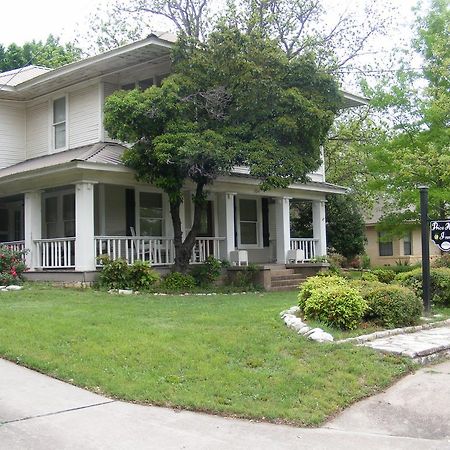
[
  {"x": 102, "y": 152},
  {"x": 108, "y": 156}
]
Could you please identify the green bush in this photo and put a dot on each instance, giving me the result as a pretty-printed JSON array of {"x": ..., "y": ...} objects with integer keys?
[
  {"x": 317, "y": 282},
  {"x": 369, "y": 276},
  {"x": 115, "y": 274},
  {"x": 177, "y": 281},
  {"x": 141, "y": 276},
  {"x": 12, "y": 265},
  {"x": 207, "y": 273},
  {"x": 386, "y": 276},
  {"x": 245, "y": 278},
  {"x": 440, "y": 284},
  {"x": 392, "y": 306},
  {"x": 338, "y": 306}
]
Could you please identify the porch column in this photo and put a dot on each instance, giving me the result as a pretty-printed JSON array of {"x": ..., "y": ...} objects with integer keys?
[
  {"x": 226, "y": 223},
  {"x": 283, "y": 228},
  {"x": 33, "y": 226},
  {"x": 84, "y": 227},
  {"x": 319, "y": 227}
]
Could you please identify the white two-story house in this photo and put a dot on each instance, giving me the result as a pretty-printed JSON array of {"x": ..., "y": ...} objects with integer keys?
[{"x": 67, "y": 198}]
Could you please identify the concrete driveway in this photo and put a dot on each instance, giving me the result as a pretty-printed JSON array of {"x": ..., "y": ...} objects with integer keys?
[{"x": 38, "y": 412}]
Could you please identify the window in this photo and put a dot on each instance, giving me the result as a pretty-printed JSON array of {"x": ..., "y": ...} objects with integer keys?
[
  {"x": 51, "y": 216},
  {"x": 59, "y": 123},
  {"x": 69, "y": 215},
  {"x": 407, "y": 244},
  {"x": 385, "y": 247},
  {"x": 248, "y": 221},
  {"x": 151, "y": 214}
]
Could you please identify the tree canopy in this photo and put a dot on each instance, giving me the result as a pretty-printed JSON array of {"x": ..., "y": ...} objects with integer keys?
[
  {"x": 50, "y": 53},
  {"x": 234, "y": 99},
  {"x": 415, "y": 148}
]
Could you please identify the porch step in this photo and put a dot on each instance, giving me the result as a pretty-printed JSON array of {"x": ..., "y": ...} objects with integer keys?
[
  {"x": 281, "y": 272},
  {"x": 289, "y": 277},
  {"x": 286, "y": 287}
]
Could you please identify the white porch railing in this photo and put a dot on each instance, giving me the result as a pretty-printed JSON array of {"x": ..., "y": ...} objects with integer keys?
[
  {"x": 308, "y": 245},
  {"x": 17, "y": 246},
  {"x": 158, "y": 251},
  {"x": 55, "y": 253}
]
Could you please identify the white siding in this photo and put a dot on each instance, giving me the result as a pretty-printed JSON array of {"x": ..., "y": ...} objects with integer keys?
[
  {"x": 37, "y": 130},
  {"x": 12, "y": 134},
  {"x": 84, "y": 116},
  {"x": 108, "y": 89}
]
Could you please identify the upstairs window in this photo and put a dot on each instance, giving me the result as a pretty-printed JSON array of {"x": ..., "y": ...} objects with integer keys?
[{"x": 59, "y": 123}]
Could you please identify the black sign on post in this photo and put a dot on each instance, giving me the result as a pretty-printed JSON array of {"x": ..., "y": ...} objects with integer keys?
[{"x": 440, "y": 234}]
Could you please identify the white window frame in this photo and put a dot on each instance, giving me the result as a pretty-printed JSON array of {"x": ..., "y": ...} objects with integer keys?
[
  {"x": 53, "y": 148},
  {"x": 165, "y": 210},
  {"x": 258, "y": 222},
  {"x": 59, "y": 211}
]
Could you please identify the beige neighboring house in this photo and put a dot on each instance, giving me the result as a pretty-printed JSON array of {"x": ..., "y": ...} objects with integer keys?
[{"x": 407, "y": 249}]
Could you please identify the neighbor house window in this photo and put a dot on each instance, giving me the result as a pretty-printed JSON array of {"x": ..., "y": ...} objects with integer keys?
[
  {"x": 59, "y": 123},
  {"x": 385, "y": 247},
  {"x": 407, "y": 244},
  {"x": 151, "y": 214},
  {"x": 248, "y": 221}
]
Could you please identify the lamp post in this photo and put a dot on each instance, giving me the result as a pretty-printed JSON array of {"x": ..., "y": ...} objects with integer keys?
[{"x": 425, "y": 248}]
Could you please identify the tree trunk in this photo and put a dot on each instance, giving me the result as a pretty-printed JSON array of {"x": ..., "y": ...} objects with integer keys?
[{"x": 183, "y": 249}]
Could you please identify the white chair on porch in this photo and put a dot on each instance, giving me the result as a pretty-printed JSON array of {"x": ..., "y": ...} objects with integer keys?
[
  {"x": 145, "y": 250},
  {"x": 295, "y": 256},
  {"x": 239, "y": 257}
]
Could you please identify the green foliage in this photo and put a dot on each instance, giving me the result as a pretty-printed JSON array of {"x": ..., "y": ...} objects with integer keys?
[
  {"x": 244, "y": 278},
  {"x": 415, "y": 147},
  {"x": 338, "y": 306},
  {"x": 393, "y": 306},
  {"x": 117, "y": 274},
  {"x": 50, "y": 53},
  {"x": 442, "y": 261},
  {"x": 345, "y": 226},
  {"x": 386, "y": 276},
  {"x": 207, "y": 273},
  {"x": 440, "y": 284},
  {"x": 177, "y": 282},
  {"x": 312, "y": 283},
  {"x": 235, "y": 99},
  {"x": 369, "y": 276},
  {"x": 12, "y": 266},
  {"x": 142, "y": 277}
]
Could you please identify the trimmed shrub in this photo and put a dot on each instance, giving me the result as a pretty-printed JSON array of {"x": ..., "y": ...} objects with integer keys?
[
  {"x": 207, "y": 273},
  {"x": 12, "y": 266},
  {"x": 386, "y": 276},
  {"x": 141, "y": 276},
  {"x": 338, "y": 306},
  {"x": 369, "y": 276},
  {"x": 392, "y": 306},
  {"x": 317, "y": 282},
  {"x": 440, "y": 284},
  {"x": 177, "y": 281}
]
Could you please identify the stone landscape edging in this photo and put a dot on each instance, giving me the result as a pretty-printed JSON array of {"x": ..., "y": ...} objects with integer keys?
[{"x": 381, "y": 334}]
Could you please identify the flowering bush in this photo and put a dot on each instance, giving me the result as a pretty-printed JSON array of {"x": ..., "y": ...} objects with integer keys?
[{"x": 12, "y": 265}]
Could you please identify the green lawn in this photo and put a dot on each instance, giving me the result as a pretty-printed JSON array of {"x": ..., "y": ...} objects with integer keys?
[{"x": 230, "y": 354}]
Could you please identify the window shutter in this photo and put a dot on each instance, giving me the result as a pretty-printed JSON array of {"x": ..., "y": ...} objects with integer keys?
[
  {"x": 130, "y": 210},
  {"x": 265, "y": 221}
]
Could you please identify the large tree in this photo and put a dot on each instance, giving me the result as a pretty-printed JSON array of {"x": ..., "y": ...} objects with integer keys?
[
  {"x": 415, "y": 149},
  {"x": 50, "y": 53},
  {"x": 234, "y": 99}
]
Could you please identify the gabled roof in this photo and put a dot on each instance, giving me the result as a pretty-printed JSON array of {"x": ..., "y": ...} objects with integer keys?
[{"x": 33, "y": 81}]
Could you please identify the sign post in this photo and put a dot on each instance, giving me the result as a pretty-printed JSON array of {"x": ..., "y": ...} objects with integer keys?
[{"x": 425, "y": 248}]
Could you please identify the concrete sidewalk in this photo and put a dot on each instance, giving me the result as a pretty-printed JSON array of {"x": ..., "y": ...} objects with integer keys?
[{"x": 38, "y": 412}]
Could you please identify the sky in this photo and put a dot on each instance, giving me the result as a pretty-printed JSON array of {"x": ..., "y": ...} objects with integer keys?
[{"x": 24, "y": 20}]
